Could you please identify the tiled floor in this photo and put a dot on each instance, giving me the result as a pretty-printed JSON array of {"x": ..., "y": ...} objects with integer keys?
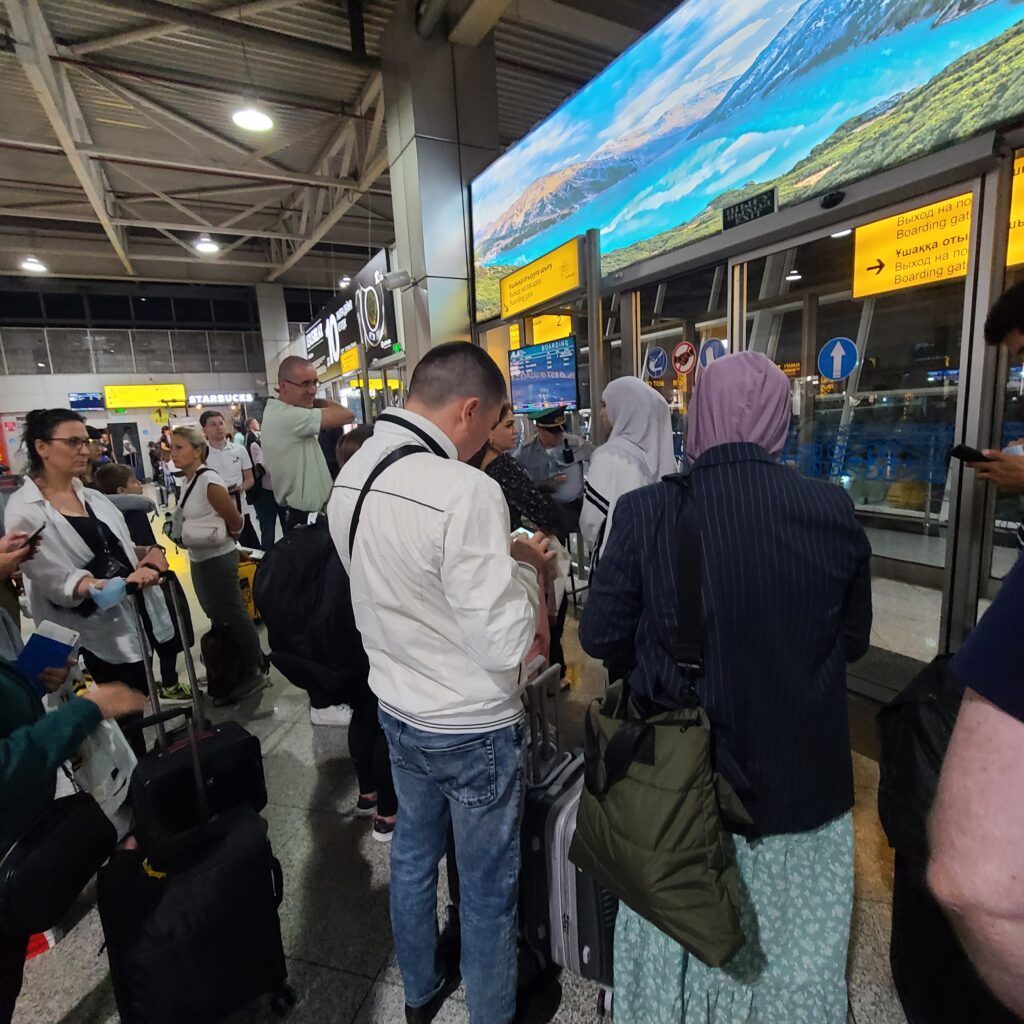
[{"x": 335, "y": 914}]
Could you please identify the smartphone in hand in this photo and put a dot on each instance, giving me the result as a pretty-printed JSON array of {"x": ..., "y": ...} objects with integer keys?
[{"x": 967, "y": 454}]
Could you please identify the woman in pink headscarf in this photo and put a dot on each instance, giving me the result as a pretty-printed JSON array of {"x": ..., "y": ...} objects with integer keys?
[{"x": 786, "y": 603}]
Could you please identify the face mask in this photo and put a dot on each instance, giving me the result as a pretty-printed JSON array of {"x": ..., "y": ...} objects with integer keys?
[{"x": 109, "y": 595}]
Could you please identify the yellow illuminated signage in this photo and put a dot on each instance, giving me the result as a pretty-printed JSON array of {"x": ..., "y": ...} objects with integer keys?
[
  {"x": 376, "y": 383},
  {"x": 1015, "y": 247},
  {"x": 551, "y": 328},
  {"x": 144, "y": 396},
  {"x": 543, "y": 280},
  {"x": 514, "y": 334},
  {"x": 923, "y": 246},
  {"x": 350, "y": 359}
]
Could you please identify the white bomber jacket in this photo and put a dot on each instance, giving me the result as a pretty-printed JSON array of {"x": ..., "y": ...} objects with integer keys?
[{"x": 446, "y": 614}]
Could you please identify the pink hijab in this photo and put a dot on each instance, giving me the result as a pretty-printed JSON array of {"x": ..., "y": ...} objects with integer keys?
[{"x": 742, "y": 398}]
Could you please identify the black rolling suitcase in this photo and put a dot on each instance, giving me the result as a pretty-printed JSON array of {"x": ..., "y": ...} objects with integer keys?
[
  {"x": 162, "y": 795},
  {"x": 191, "y": 927},
  {"x": 567, "y": 919}
]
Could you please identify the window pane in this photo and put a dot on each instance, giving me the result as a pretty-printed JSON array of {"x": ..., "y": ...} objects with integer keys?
[{"x": 25, "y": 350}]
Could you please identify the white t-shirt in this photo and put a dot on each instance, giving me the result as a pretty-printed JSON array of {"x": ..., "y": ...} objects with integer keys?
[
  {"x": 229, "y": 463},
  {"x": 198, "y": 507}
]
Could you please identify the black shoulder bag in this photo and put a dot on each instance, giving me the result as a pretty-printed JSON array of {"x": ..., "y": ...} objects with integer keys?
[
  {"x": 42, "y": 874},
  {"x": 650, "y": 826}
]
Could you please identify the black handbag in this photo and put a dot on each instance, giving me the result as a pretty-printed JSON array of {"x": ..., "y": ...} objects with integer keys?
[{"x": 42, "y": 874}]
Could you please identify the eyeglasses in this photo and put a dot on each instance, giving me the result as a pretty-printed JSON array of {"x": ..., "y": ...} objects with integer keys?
[
  {"x": 306, "y": 385},
  {"x": 74, "y": 443}
]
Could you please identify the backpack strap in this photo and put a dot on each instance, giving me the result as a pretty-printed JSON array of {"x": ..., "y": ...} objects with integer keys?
[
  {"x": 688, "y": 638},
  {"x": 389, "y": 460}
]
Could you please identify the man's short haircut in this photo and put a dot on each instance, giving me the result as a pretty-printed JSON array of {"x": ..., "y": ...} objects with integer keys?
[
  {"x": 112, "y": 476},
  {"x": 289, "y": 365},
  {"x": 209, "y": 415},
  {"x": 456, "y": 370},
  {"x": 1006, "y": 315}
]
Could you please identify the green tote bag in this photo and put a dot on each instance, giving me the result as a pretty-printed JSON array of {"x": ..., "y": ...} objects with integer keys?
[{"x": 654, "y": 813}]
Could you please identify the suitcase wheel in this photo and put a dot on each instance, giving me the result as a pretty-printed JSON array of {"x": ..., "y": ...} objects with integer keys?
[
  {"x": 281, "y": 1002},
  {"x": 604, "y": 1003}
]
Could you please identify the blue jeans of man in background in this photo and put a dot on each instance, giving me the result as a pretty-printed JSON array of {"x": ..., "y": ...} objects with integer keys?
[{"x": 476, "y": 783}]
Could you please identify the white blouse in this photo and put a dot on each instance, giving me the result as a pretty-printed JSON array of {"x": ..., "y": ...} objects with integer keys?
[{"x": 58, "y": 567}]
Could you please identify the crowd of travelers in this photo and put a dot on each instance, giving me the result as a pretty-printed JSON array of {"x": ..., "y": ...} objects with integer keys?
[{"x": 450, "y": 536}]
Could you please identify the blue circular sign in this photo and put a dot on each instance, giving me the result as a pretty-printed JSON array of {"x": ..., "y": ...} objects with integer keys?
[
  {"x": 657, "y": 363},
  {"x": 712, "y": 349},
  {"x": 837, "y": 359}
]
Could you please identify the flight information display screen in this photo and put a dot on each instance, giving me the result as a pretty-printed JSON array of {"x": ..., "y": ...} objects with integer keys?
[{"x": 544, "y": 376}]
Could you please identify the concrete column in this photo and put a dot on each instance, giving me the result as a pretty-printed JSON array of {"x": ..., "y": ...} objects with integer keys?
[
  {"x": 274, "y": 328},
  {"x": 441, "y": 104}
]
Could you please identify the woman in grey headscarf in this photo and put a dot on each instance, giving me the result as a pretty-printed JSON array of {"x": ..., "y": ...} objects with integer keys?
[{"x": 638, "y": 452}]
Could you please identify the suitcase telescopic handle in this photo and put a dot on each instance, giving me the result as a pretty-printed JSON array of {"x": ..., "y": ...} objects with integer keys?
[
  {"x": 158, "y": 720},
  {"x": 173, "y": 596}
]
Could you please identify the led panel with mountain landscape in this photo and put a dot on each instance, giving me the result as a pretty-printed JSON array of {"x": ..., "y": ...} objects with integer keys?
[{"x": 726, "y": 98}]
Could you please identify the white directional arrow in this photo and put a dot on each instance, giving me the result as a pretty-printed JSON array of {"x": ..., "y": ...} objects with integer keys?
[{"x": 837, "y": 360}]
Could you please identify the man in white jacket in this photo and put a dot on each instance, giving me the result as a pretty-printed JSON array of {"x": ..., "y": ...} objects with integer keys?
[{"x": 446, "y": 611}]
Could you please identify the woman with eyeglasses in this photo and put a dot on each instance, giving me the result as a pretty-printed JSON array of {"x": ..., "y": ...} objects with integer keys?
[{"x": 84, "y": 549}]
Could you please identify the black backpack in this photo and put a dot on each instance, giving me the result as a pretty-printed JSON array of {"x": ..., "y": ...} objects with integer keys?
[
  {"x": 915, "y": 728},
  {"x": 302, "y": 592}
]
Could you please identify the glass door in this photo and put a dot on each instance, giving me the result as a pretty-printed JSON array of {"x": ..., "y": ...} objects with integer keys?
[{"x": 879, "y": 425}]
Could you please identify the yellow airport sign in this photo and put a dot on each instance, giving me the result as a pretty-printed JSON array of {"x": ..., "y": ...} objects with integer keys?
[
  {"x": 144, "y": 396},
  {"x": 514, "y": 335},
  {"x": 349, "y": 359},
  {"x": 1015, "y": 246},
  {"x": 542, "y": 281},
  {"x": 927, "y": 245},
  {"x": 551, "y": 328}
]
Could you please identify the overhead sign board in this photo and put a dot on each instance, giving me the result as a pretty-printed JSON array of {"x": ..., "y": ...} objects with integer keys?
[
  {"x": 1015, "y": 247},
  {"x": 554, "y": 275},
  {"x": 551, "y": 328},
  {"x": 143, "y": 396},
  {"x": 350, "y": 359},
  {"x": 928, "y": 245},
  {"x": 363, "y": 313},
  {"x": 751, "y": 208},
  {"x": 335, "y": 329},
  {"x": 221, "y": 398}
]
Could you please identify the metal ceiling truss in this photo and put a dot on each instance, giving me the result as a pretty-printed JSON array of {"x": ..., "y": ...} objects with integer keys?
[
  {"x": 163, "y": 28},
  {"x": 236, "y": 30},
  {"x": 34, "y": 46}
]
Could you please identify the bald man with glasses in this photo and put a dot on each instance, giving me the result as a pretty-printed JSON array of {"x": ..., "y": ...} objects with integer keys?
[
  {"x": 302, "y": 483},
  {"x": 291, "y": 451}
]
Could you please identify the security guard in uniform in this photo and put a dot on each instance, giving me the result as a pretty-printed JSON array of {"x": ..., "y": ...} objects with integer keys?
[{"x": 555, "y": 461}]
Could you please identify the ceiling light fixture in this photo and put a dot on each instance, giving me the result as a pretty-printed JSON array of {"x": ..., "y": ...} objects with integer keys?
[
  {"x": 33, "y": 265},
  {"x": 843, "y": 233},
  {"x": 345, "y": 282},
  {"x": 252, "y": 119},
  {"x": 205, "y": 244},
  {"x": 794, "y": 275}
]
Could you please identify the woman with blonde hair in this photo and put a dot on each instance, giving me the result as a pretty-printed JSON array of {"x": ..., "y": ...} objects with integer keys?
[{"x": 207, "y": 521}]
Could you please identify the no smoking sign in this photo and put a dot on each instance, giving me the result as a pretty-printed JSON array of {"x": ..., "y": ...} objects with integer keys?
[{"x": 684, "y": 358}]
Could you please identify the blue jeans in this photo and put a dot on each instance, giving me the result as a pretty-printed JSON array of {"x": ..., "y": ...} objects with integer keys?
[{"x": 474, "y": 781}]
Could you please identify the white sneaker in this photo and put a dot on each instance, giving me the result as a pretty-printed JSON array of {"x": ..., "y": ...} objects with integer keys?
[{"x": 339, "y": 715}]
